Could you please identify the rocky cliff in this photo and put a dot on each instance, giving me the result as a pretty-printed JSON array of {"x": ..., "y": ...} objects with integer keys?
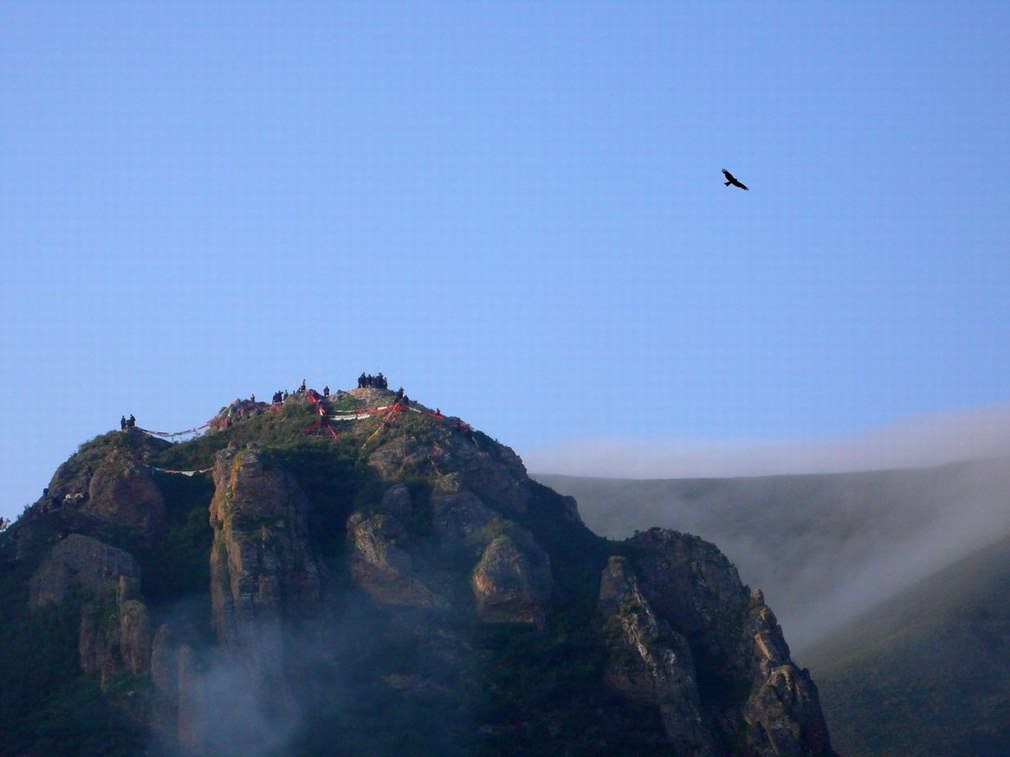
[{"x": 365, "y": 575}]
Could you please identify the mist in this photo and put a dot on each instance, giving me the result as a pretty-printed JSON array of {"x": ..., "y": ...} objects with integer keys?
[
  {"x": 921, "y": 441},
  {"x": 824, "y": 546}
]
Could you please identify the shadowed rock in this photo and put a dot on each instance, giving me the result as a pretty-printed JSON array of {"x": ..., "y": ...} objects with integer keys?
[
  {"x": 747, "y": 683},
  {"x": 263, "y": 569},
  {"x": 121, "y": 491},
  {"x": 114, "y": 634},
  {"x": 84, "y": 562},
  {"x": 512, "y": 583},
  {"x": 262, "y": 565},
  {"x": 384, "y": 570},
  {"x": 650, "y": 662}
]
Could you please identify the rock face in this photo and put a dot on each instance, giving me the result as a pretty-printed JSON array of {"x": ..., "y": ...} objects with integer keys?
[
  {"x": 511, "y": 583},
  {"x": 110, "y": 480},
  {"x": 382, "y": 568},
  {"x": 83, "y": 562},
  {"x": 116, "y": 638},
  {"x": 114, "y": 633},
  {"x": 650, "y": 662},
  {"x": 121, "y": 491},
  {"x": 477, "y": 494},
  {"x": 263, "y": 571},
  {"x": 493, "y": 473},
  {"x": 686, "y": 634},
  {"x": 262, "y": 565},
  {"x": 459, "y": 517}
]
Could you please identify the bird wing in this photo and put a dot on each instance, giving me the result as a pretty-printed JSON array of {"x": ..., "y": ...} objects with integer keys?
[
  {"x": 728, "y": 175},
  {"x": 741, "y": 185}
]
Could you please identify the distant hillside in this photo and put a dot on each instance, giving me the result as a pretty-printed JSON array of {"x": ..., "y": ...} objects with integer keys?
[
  {"x": 823, "y": 547},
  {"x": 928, "y": 672}
]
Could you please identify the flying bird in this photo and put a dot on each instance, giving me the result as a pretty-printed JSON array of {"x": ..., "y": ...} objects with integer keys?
[{"x": 731, "y": 179}]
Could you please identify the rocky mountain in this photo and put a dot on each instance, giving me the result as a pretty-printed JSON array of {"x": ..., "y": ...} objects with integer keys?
[{"x": 358, "y": 574}]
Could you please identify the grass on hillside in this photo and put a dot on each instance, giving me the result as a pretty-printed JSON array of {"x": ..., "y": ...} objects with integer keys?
[{"x": 927, "y": 672}]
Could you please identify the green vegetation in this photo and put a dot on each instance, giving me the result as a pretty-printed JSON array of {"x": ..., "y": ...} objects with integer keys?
[
  {"x": 926, "y": 673},
  {"x": 266, "y": 429},
  {"x": 46, "y": 705},
  {"x": 544, "y": 693},
  {"x": 176, "y": 566}
]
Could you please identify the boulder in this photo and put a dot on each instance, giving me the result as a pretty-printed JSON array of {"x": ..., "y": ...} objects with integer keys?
[
  {"x": 122, "y": 491},
  {"x": 81, "y": 561},
  {"x": 512, "y": 581}
]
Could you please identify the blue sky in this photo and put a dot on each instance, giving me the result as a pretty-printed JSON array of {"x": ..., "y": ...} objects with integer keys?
[{"x": 513, "y": 209}]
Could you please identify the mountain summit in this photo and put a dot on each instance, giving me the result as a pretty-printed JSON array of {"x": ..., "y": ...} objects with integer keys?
[{"x": 360, "y": 574}]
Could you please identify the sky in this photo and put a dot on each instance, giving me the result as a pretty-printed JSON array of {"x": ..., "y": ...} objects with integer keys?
[{"x": 515, "y": 210}]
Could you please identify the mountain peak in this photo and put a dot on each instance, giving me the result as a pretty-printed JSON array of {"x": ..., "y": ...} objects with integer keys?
[{"x": 361, "y": 537}]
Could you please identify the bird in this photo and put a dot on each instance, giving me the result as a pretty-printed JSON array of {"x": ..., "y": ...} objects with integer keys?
[{"x": 731, "y": 179}]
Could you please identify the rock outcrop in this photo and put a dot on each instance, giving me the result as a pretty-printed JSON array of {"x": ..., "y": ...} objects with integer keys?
[
  {"x": 262, "y": 572},
  {"x": 459, "y": 517},
  {"x": 109, "y": 479},
  {"x": 477, "y": 493},
  {"x": 512, "y": 581},
  {"x": 121, "y": 491},
  {"x": 115, "y": 632},
  {"x": 80, "y": 561},
  {"x": 650, "y": 662},
  {"x": 698, "y": 635},
  {"x": 115, "y": 635},
  {"x": 177, "y": 714},
  {"x": 381, "y": 567},
  {"x": 263, "y": 568},
  {"x": 492, "y": 472}
]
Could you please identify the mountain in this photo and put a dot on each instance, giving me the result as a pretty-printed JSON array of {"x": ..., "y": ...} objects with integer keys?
[
  {"x": 824, "y": 548},
  {"x": 927, "y": 672},
  {"x": 358, "y": 574}
]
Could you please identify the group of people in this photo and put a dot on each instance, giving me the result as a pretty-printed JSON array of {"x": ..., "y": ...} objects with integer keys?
[
  {"x": 281, "y": 395},
  {"x": 127, "y": 423},
  {"x": 366, "y": 381}
]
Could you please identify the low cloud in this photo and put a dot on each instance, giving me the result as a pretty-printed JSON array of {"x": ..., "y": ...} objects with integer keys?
[
  {"x": 915, "y": 442},
  {"x": 825, "y": 548}
]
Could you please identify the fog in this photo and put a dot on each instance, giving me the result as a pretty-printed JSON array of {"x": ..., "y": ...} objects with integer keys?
[
  {"x": 352, "y": 675},
  {"x": 914, "y": 442},
  {"x": 824, "y": 547},
  {"x": 230, "y": 712}
]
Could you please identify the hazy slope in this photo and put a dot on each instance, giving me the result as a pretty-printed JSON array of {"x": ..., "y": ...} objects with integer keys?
[
  {"x": 927, "y": 672},
  {"x": 823, "y": 547}
]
